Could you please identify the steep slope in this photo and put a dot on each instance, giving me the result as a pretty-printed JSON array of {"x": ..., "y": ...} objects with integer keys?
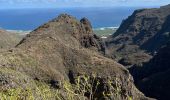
[
  {"x": 154, "y": 77},
  {"x": 142, "y": 35},
  {"x": 8, "y": 39},
  {"x": 55, "y": 53},
  {"x": 143, "y": 26},
  {"x": 146, "y": 29}
]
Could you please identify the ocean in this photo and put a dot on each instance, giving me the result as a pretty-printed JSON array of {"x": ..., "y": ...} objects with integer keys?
[{"x": 29, "y": 19}]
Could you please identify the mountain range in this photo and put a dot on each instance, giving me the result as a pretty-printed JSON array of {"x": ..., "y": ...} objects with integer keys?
[{"x": 65, "y": 60}]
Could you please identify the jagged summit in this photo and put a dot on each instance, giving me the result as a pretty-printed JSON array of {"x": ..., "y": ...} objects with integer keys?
[
  {"x": 64, "y": 27},
  {"x": 87, "y": 24},
  {"x": 64, "y": 17}
]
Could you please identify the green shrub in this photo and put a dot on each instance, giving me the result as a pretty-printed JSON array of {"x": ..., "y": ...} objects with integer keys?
[{"x": 83, "y": 85}]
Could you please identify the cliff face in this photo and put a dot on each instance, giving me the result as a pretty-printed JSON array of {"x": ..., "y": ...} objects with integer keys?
[
  {"x": 146, "y": 29},
  {"x": 58, "y": 52}
]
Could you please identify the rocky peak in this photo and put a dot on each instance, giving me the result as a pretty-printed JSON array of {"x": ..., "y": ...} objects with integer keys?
[
  {"x": 65, "y": 25},
  {"x": 64, "y": 18},
  {"x": 87, "y": 25},
  {"x": 89, "y": 39}
]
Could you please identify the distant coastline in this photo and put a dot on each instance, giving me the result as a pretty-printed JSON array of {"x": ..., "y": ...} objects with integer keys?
[
  {"x": 29, "y": 19},
  {"x": 21, "y": 32},
  {"x": 103, "y": 32},
  {"x": 104, "y": 28},
  {"x": 28, "y": 31}
]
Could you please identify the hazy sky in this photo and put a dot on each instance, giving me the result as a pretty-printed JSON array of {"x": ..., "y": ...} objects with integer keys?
[{"x": 78, "y": 3}]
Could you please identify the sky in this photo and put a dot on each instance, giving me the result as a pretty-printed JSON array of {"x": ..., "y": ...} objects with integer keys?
[{"x": 78, "y": 3}]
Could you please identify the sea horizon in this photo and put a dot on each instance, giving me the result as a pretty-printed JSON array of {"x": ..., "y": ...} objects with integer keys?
[{"x": 30, "y": 18}]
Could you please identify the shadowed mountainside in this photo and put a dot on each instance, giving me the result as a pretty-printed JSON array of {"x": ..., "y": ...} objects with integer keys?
[
  {"x": 154, "y": 77},
  {"x": 142, "y": 33}
]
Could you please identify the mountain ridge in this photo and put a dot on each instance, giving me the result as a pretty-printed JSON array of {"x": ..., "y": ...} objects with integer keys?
[
  {"x": 146, "y": 30},
  {"x": 142, "y": 45},
  {"x": 62, "y": 50}
]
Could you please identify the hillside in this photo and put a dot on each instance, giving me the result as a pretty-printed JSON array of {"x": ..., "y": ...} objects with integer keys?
[
  {"x": 64, "y": 51},
  {"x": 143, "y": 34},
  {"x": 8, "y": 39},
  {"x": 142, "y": 44},
  {"x": 154, "y": 77}
]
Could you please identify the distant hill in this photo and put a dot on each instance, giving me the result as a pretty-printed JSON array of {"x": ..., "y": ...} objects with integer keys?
[{"x": 9, "y": 39}]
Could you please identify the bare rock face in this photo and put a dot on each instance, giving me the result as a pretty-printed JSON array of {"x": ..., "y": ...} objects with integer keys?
[
  {"x": 89, "y": 39},
  {"x": 57, "y": 52}
]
